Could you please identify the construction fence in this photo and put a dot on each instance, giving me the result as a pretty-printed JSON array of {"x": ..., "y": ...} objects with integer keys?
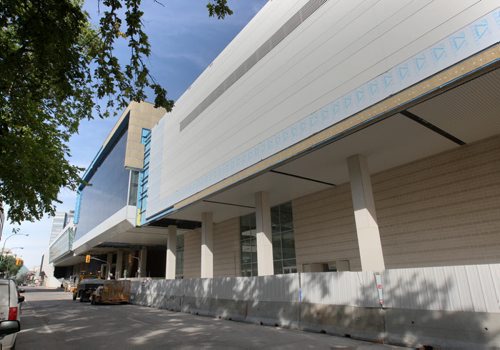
[{"x": 452, "y": 306}]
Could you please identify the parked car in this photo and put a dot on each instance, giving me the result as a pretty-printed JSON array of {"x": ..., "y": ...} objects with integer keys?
[{"x": 10, "y": 313}]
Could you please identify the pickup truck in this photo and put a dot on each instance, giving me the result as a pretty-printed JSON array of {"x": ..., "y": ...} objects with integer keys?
[{"x": 10, "y": 313}]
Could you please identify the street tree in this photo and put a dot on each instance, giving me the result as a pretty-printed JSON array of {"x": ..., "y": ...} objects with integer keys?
[
  {"x": 8, "y": 267},
  {"x": 55, "y": 67}
]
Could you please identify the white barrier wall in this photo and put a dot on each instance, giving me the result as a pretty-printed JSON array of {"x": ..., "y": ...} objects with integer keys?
[
  {"x": 451, "y": 288},
  {"x": 454, "y": 307},
  {"x": 339, "y": 288},
  {"x": 448, "y": 288},
  {"x": 346, "y": 56},
  {"x": 197, "y": 287},
  {"x": 280, "y": 288}
]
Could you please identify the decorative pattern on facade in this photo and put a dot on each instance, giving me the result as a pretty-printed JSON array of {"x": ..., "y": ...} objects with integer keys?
[{"x": 467, "y": 41}]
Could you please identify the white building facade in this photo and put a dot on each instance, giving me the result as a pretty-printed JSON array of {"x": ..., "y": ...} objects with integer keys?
[
  {"x": 362, "y": 121},
  {"x": 358, "y": 138}
]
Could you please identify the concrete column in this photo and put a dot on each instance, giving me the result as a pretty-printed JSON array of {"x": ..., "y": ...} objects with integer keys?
[
  {"x": 109, "y": 262},
  {"x": 264, "y": 234},
  {"x": 119, "y": 264},
  {"x": 171, "y": 252},
  {"x": 128, "y": 267},
  {"x": 370, "y": 247},
  {"x": 143, "y": 260},
  {"x": 207, "y": 245}
]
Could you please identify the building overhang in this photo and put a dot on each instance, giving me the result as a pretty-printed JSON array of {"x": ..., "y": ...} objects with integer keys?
[
  {"x": 68, "y": 259},
  {"x": 119, "y": 230},
  {"x": 455, "y": 107},
  {"x": 121, "y": 221}
]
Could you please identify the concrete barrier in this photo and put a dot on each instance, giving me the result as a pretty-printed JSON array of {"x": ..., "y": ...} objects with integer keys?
[
  {"x": 235, "y": 310},
  {"x": 274, "y": 313},
  {"x": 440, "y": 313},
  {"x": 275, "y": 301},
  {"x": 197, "y": 296},
  {"x": 174, "y": 294},
  {"x": 446, "y": 329},
  {"x": 230, "y": 296},
  {"x": 356, "y": 322}
]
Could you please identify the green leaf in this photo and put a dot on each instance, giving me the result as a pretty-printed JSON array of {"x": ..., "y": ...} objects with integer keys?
[{"x": 54, "y": 65}]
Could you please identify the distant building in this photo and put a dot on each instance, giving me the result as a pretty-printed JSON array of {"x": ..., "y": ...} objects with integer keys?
[
  {"x": 69, "y": 217},
  {"x": 61, "y": 219},
  {"x": 62, "y": 222},
  {"x": 114, "y": 177}
]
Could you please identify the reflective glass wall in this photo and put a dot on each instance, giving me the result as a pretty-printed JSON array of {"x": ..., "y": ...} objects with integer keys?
[
  {"x": 107, "y": 190},
  {"x": 58, "y": 224},
  {"x": 63, "y": 244},
  {"x": 134, "y": 185}
]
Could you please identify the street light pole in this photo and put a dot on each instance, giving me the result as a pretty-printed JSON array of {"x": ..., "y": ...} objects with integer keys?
[
  {"x": 15, "y": 232},
  {"x": 11, "y": 249}
]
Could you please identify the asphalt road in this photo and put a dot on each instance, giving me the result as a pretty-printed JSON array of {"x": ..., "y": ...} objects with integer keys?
[{"x": 52, "y": 320}]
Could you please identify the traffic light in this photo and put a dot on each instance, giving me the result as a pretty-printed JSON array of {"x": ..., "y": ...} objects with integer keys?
[
  {"x": 87, "y": 259},
  {"x": 19, "y": 261}
]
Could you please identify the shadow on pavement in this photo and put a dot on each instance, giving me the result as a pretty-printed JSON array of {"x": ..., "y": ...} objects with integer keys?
[{"x": 57, "y": 322}]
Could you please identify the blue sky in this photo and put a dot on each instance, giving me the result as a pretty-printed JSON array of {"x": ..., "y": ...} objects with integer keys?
[{"x": 184, "y": 42}]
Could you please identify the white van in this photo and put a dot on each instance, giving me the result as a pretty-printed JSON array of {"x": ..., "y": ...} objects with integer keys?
[{"x": 9, "y": 311}]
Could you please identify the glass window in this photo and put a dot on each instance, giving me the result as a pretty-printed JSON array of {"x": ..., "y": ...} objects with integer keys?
[
  {"x": 277, "y": 249},
  {"x": 248, "y": 245},
  {"x": 283, "y": 239},
  {"x": 286, "y": 217},
  {"x": 134, "y": 184},
  {"x": 288, "y": 245},
  {"x": 275, "y": 219},
  {"x": 278, "y": 267},
  {"x": 179, "y": 257},
  {"x": 62, "y": 245}
]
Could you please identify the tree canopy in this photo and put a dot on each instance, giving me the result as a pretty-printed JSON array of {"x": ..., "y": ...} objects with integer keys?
[
  {"x": 55, "y": 67},
  {"x": 8, "y": 267}
]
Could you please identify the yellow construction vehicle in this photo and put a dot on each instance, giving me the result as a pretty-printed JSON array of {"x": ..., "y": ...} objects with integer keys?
[
  {"x": 111, "y": 292},
  {"x": 76, "y": 287}
]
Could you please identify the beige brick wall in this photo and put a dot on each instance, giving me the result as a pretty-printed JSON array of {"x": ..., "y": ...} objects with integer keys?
[
  {"x": 227, "y": 248},
  {"x": 192, "y": 254},
  {"x": 324, "y": 228},
  {"x": 442, "y": 210}
]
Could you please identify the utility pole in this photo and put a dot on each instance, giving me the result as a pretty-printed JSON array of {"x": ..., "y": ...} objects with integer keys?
[{"x": 15, "y": 232}]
